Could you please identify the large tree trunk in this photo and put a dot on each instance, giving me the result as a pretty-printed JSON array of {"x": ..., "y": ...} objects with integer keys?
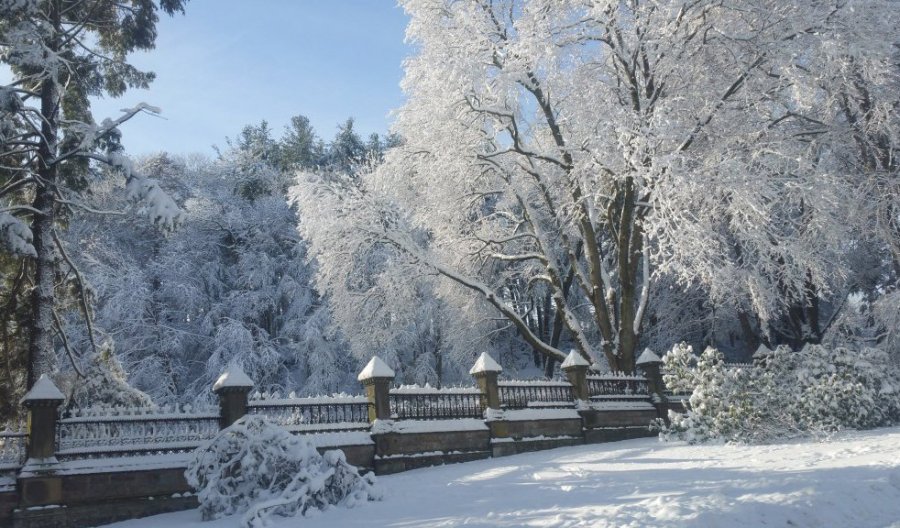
[{"x": 41, "y": 357}]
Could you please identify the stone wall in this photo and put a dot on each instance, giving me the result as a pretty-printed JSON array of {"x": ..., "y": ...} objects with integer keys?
[{"x": 61, "y": 495}]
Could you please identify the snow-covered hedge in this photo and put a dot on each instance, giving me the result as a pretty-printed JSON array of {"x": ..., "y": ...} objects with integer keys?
[
  {"x": 259, "y": 468},
  {"x": 785, "y": 393}
]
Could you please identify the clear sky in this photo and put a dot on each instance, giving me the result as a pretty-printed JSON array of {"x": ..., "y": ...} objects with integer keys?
[{"x": 229, "y": 63}]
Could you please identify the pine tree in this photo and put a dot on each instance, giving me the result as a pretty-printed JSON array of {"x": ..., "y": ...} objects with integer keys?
[{"x": 61, "y": 53}]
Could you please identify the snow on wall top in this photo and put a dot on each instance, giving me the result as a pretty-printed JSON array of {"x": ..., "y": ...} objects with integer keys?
[
  {"x": 516, "y": 415},
  {"x": 375, "y": 368},
  {"x": 485, "y": 363},
  {"x": 234, "y": 376},
  {"x": 647, "y": 356},
  {"x": 574, "y": 359},
  {"x": 428, "y": 426},
  {"x": 43, "y": 389}
]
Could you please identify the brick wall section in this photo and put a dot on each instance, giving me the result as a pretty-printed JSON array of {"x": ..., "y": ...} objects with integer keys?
[
  {"x": 361, "y": 456},
  {"x": 85, "y": 515},
  {"x": 9, "y": 500},
  {"x": 595, "y": 419},
  {"x": 520, "y": 429},
  {"x": 396, "y": 452}
]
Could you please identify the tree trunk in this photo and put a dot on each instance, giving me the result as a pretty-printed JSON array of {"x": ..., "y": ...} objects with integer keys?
[
  {"x": 630, "y": 246},
  {"x": 41, "y": 357}
]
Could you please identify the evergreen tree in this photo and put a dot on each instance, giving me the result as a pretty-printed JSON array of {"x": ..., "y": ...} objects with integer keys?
[
  {"x": 347, "y": 151},
  {"x": 61, "y": 52},
  {"x": 299, "y": 146}
]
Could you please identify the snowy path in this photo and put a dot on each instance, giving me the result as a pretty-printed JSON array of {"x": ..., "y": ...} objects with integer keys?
[{"x": 851, "y": 481}]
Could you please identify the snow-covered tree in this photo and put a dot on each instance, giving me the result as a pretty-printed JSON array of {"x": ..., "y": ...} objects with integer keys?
[
  {"x": 259, "y": 469},
  {"x": 230, "y": 285},
  {"x": 587, "y": 150},
  {"x": 60, "y": 53},
  {"x": 106, "y": 384},
  {"x": 784, "y": 393}
]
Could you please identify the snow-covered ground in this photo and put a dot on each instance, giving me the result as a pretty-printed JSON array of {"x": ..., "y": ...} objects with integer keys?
[{"x": 852, "y": 480}]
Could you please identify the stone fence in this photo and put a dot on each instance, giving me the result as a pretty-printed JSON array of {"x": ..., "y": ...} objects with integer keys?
[{"x": 97, "y": 466}]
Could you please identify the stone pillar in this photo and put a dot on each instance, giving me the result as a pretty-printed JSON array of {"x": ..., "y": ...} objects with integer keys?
[
  {"x": 762, "y": 355},
  {"x": 232, "y": 387},
  {"x": 485, "y": 370},
  {"x": 650, "y": 364},
  {"x": 42, "y": 402},
  {"x": 376, "y": 378},
  {"x": 576, "y": 368}
]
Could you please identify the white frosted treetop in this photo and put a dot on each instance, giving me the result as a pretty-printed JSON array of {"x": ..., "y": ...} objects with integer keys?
[
  {"x": 647, "y": 356},
  {"x": 574, "y": 359},
  {"x": 234, "y": 376},
  {"x": 375, "y": 368},
  {"x": 485, "y": 363},
  {"x": 43, "y": 389}
]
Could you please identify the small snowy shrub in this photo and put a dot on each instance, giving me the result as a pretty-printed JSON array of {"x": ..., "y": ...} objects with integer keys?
[
  {"x": 105, "y": 383},
  {"x": 259, "y": 468},
  {"x": 815, "y": 390}
]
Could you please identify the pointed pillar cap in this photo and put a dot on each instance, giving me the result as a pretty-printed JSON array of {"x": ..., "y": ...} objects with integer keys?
[
  {"x": 43, "y": 390},
  {"x": 485, "y": 363},
  {"x": 647, "y": 357},
  {"x": 574, "y": 359},
  {"x": 762, "y": 351},
  {"x": 233, "y": 377},
  {"x": 375, "y": 368}
]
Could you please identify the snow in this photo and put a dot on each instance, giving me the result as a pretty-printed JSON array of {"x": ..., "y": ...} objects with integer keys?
[
  {"x": 415, "y": 389},
  {"x": 233, "y": 376},
  {"x": 574, "y": 359},
  {"x": 375, "y": 368},
  {"x": 642, "y": 405},
  {"x": 485, "y": 363},
  {"x": 428, "y": 426},
  {"x": 533, "y": 383},
  {"x": 312, "y": 400},
  {"x": 43, "y": 389},
  {"x": 124, "y": 463},
  {"x": 516, "y": 415},
  {"x": 647, "y": 356},
  {"x": 851, "y": 480},
  {"x": 15, "y": 235},
  {"x": 309, "y": 428}
]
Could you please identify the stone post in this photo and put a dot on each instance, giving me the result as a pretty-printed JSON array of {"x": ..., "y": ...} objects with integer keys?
[
  {"x": 650, "y": 364},
  {"x": 576, "y": 368},
  {"x": 37, "y": 482},
  {"x": 376, "y": 378},
  {"x": 485, "y": 370},
  {"x": 42, "y": 402},
  {"x": 232, "y": 387},
  {"x": 762, "y": 355}
]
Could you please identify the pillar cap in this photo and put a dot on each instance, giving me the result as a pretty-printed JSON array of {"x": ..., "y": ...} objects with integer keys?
[
  {"x": 43, "y": 390},
  {"x": 375, "y": 368},
  {"x": 233, "y": 377},
  {"x": 574, "y": 360},
  {"x": 647, "y": 357},
  {"x": 762, "y": 351},
  {"x": 485, "y": 363}
]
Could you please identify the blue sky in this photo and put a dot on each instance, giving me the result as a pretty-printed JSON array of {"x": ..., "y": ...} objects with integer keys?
[{"x": 229, "y": 63}]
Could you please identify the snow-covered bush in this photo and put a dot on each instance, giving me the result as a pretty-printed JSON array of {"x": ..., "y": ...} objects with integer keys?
[
  {"x": 788, "y": 393},
  {"x": 105, "y": 383},
  {"x": 261, "y": 469}
]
